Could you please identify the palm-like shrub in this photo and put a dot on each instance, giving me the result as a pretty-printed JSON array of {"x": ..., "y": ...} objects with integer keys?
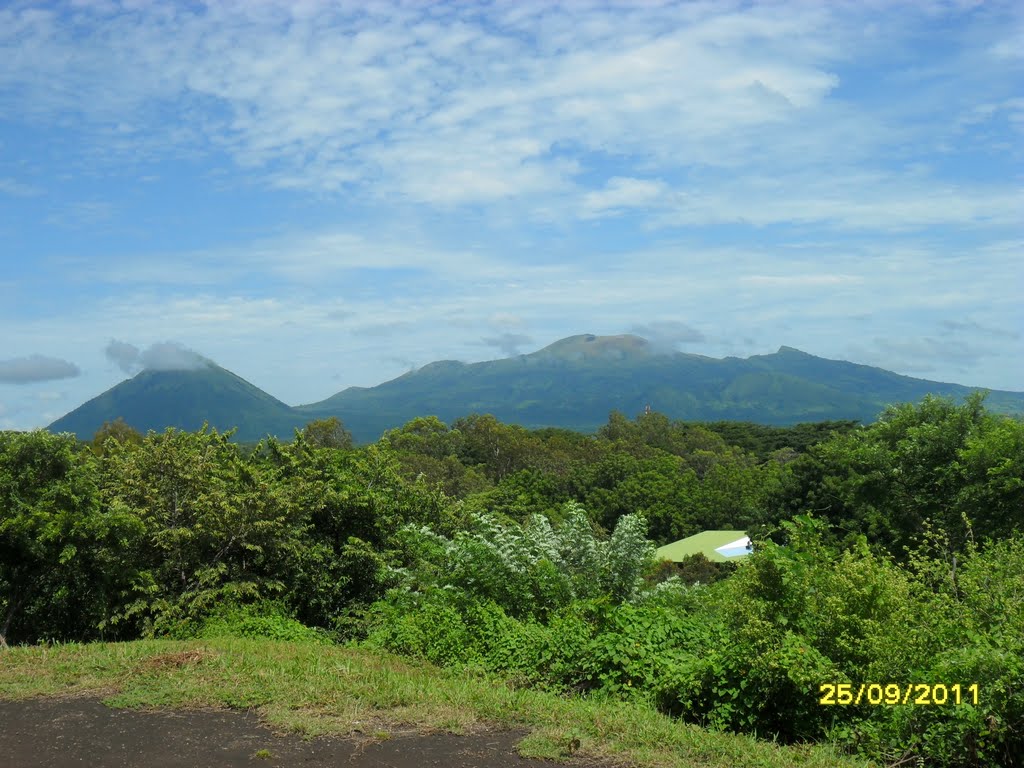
[{"x": 530, "y": 570}]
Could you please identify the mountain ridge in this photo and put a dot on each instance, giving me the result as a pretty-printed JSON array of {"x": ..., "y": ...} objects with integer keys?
[{"x": 574, "y": 382}]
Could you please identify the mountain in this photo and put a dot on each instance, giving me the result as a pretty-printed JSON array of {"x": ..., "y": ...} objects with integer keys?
[
  {"x": 184, "y": 399},
  {"x": 573, "y": 383},
  {"x": 577, "y": 381}
]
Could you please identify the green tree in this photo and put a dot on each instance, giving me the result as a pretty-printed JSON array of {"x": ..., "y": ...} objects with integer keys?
[
  {"x": 500, "y": 449},
  {"x": 428, "y": 451},
  {"x": 427, "y": 436},
  {"x": 58, "y": 564},
  {"x": 328, "y": 433},
  {"x": 520, "y": 495},
  {"x": 114, "y": 430},
  {"x": 656, "y": 430},
  {"x": 352, "y": 504},
  {"x": 216, "y": 526},
  {"x": 957, "y": 467}
]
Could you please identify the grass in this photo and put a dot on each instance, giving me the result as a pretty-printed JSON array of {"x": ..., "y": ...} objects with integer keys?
[{"x": 314, "y": 690}]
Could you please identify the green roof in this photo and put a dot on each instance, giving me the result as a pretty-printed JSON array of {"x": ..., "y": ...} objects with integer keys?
[{"x": 705, "y": 543}]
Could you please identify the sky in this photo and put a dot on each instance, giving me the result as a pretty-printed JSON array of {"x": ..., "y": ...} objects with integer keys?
[{"x": 317, "y": 195}]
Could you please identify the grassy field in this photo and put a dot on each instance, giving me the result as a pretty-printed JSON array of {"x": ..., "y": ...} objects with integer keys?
[{"x": 316, "y": 689}]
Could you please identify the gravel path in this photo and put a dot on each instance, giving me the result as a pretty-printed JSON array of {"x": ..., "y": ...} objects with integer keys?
[{"x": 54, "y": 733}]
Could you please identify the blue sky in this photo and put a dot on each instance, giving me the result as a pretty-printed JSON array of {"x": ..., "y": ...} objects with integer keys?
[{"x": 317, "y": 195}]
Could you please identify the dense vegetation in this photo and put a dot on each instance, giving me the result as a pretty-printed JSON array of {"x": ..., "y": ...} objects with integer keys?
[{"x": 890, "y": 553}]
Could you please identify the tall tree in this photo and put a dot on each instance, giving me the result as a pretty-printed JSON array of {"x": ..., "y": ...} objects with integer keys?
[
  {"x": 328, "y": 433},
  {"x": 56, "y": 544},
  {"x": 117, "y": 430}
]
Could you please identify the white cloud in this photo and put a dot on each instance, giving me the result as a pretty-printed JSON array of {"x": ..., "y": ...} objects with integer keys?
[
  {"x": 434, "y": 161},
  {"x": 125, "y": 355},
  {"x": 668, "y": 335},
  {"x": 466, "y": 108},
  {"x": 298, "y": 259},
  {"x": 162, "y": 356},
  {"x": 508, "y": 344},
  {"x": 877, "y": 201},
  {"x": 467, "y": 105},
  {"x": 1010, "y": 47},
  {"x": 620, "y": 193},
  {"x": 171, "y": 356}
]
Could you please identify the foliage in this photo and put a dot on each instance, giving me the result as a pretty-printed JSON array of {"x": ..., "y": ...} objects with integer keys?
[
  {"x": 695, "y": 569},
  {"x": 972, "y": 611},
  {"x": 957, "y": 467},
  {"x": 328, "y": 433},
  {"x": 531, "y": 571},
  {"x": 750, "y": 652},
  {"x": 351, "y": 504},
  {"x": 765, "y": 441},
  {"x": 894, "y": 554},
  {"x": 114, "y": 430},
  {"x": 214, "y": 525},
  {"x": 261, "y": 620},
  {"x": 59, "y": 549}
]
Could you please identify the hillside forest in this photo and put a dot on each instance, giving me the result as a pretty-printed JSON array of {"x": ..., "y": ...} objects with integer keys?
[{"x": 889, "y": 554}]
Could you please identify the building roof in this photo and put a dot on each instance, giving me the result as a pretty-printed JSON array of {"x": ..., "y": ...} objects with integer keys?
[{"x": 717, "y": 546}]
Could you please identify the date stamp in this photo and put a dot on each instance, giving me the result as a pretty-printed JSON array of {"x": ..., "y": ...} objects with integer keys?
[{"x": 890, "y": 694}]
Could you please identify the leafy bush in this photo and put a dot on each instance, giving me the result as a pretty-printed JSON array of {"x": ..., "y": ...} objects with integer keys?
[
  {"x": 61, "y": 551},
  {"x": 532, "y": 570},
  {"x": 972, "y": 609},
  {"x": 267, "y": 620},
  {"x": 797, "y": 616},
  {"x": 650, "y": 650},
  {"x": 521, "y": 600}
]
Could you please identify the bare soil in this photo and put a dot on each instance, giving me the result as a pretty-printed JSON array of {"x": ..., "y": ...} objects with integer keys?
[{"x": 54, "y": 733}]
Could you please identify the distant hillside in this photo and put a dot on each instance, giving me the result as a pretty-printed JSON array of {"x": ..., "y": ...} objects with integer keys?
[
  {"x": 573, "y": 383},
  {"x": 577, "y": 381},
  {"x": 184, "y": 399}
]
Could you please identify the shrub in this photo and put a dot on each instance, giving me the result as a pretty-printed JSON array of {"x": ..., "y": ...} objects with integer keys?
[
  {"x": 267, "y": 620},
  {"x": 534, "y": 570}
]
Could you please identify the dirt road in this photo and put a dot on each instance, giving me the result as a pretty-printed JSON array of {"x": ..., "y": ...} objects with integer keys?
[{"x": 53, "y": 733}]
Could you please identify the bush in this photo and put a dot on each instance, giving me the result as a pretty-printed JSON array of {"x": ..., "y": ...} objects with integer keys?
[
  {"x": 534, "y": 570},
  {"x": 751, "y": 652},
  {"x": 260, "y": 621},
  {"x": 269, "y": 620},
  {"x": 426, "y": 626},
  {"x": 972, "y": 609}
]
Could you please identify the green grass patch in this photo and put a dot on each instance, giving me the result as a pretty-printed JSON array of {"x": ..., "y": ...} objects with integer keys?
[{"x": 315, "y": 689}]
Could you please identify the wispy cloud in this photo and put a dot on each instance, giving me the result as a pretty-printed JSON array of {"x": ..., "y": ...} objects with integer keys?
[
  {"x": 797, "y": 281},
  {"x": 123, "y": 354},
  {"x": 464, "y": 104},
  {"x": 970, "y": 326},
  {"x": 15, "y": 188},
  {"x": 921, "y": 355},
  {"x": 669, "y": 335},
  {"x": 622, "y": 193},
  {"x": 508, "y": 344}
]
